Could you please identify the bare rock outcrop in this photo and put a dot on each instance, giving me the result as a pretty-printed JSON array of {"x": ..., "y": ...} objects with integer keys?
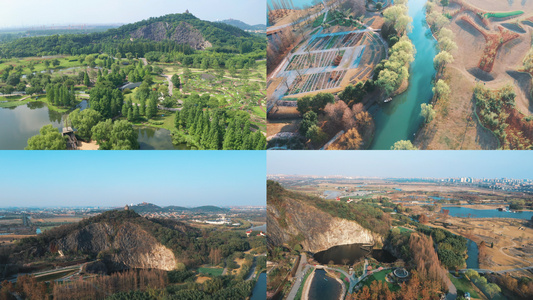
[
  {"x": 183, "y": 33},
  {"x": 123, "y": 246},
  {"x": 319, "y": 229}
]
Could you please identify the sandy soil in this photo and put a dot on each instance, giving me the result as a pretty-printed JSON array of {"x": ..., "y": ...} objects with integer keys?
[
  {"x": 88, "y": 146},
  {"x": 509, "y": 58},
  {"x": 455, "y": 127},
  {"x": 503, "y": 5},
  {"x": 202, "y": 279},
  {"x": 512, "y": 240},
  {"x": 274, "y": 128},
  {"x": 59, "y": 219},
  {"x": 10, "y": 221},
  {"x": 9, "y": 239}
]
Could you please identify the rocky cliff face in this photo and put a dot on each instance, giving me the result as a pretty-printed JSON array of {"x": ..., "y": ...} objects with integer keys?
[
  {"x": 320, "y": 230},
  {"x": 123, "y": 246},
  {"x": 183, "y": 33}
]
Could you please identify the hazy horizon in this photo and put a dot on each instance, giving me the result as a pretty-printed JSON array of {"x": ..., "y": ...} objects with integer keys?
[
  {"x": 402, "y": 164},
  {"x": 114, "y": 179},
  {"x": 34, "y": 13}
]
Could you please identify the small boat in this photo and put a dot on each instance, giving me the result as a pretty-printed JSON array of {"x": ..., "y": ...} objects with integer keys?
[{"x": 388, "y": 100}]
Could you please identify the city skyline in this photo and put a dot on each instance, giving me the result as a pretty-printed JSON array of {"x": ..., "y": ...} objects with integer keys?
[
  {"x": 119, "y": 11},
  {"x": 113, "y": 179},
  {"x": 402, "y": 164}
]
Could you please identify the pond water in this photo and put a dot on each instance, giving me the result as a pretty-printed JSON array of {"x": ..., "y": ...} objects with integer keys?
[
  {"x": 324, "y": 287},
  {"x": 152, "y": 138},
  {"x": 262, "y": 228},
  {"x": 331, "y": 194},
  {"x": 473, "y": 253},
  {"x": 400, "y": 118},
  {"x": 465, "y": 212},
  {"x": 19, "y": 123},
  {"x": 349, "y": 254},
  {"x": 260, "y": 288}
]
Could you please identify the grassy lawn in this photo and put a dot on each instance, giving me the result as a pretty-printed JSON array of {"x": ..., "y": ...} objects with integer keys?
[
  {"x": 504, "y": 14},
  {"x": 403, "y": 229},
  {"x": 211, "y": 271},
  {"x": 55, "y": 276},
  {"x": 258, "y": 112},
  {"x": 381, "y": 277},
  {"x": 464, "y": 285}
]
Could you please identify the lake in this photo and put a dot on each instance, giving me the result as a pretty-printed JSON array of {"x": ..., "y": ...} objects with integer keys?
[
  {"x": 400, "y": 118},
  {"x": 262, "y": 228},
  {"x": 324, "y": 287},
  {"x": 260, "y": 288},
  {"x": 331, "y": 194},
  {"x": 19, "y": 123},
  {"x": 349, "y": 254},
  {"x": 472, "y": 261},
  {"x": 153, "y": 138},
  {"x": 465, "y": 212}
]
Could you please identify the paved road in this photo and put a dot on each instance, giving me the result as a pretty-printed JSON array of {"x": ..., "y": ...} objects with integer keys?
[
  {"x": 325, "y": 10},
  {"x": 300, "y": 273},
  {"x": 48, "y": 272},
  {"x": 170, "y": 84},
  {"x": 452, "y": 290}
]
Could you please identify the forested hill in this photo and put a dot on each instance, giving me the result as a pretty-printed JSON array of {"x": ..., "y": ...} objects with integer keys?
[
  {"x": 151, "y": 208},
  {"x": 244, "y": 26},
  {"x": 295, "y": 218},
  {"x": 174, "y": 32}
]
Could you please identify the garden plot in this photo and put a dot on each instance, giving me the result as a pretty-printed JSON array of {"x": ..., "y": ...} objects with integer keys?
[
  {"x": 334, "y": 41},
  {"x": 316, "y": 82},
  {"x": 313, "y": 60}
]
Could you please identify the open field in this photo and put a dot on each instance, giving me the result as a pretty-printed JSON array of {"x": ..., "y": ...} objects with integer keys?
[
  {"x": 211, "y": 271},
  {"x": 493, "y": 38}
]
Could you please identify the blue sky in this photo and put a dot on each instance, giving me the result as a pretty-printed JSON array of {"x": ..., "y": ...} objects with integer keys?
[
  {"x": 116, "y": 178},
  {"x": 478, "y": 164},
  {"x": 16, "y": 13}
]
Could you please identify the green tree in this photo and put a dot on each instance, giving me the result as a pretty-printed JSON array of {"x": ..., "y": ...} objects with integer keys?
[
  {"x": 151, "y": 108},
  {"x": 441, "y": 89},
  {"x": 403, "y": 145},
  {"x": 48, "y": 138},
  {"x": 442, "y": 59},
  {"x": 123, "y": 136},
  {"x": 86, "y": 80},
  {"x": 84, "y": 121},
  {"x": 175, "y": 81},
  {"x": 428, "y": 113}
]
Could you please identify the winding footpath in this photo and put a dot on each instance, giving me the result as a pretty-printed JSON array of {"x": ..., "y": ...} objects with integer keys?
[{"x": 300, "y": 273}]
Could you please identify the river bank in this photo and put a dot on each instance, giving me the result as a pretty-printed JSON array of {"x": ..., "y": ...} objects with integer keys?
[{"x": 400, "y": 118}]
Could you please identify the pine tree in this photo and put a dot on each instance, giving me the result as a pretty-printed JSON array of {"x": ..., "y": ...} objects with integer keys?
[
  {"x": 177, "y": 120},
  {"x": 142, "y": 109},
  {"x": 130, "y": 114},
  {"x": 86, "y": 80},
  {"x": 135, "y": 112},
  {"x": 229, "y": 138},
  {"x": 259, "y": 141}
]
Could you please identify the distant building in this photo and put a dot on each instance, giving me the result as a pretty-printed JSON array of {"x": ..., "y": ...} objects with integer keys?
[
  {"x": 187, "y": 11},
  {"x": 248, "y": 233},
  {"x": 126, "y": 207}
]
